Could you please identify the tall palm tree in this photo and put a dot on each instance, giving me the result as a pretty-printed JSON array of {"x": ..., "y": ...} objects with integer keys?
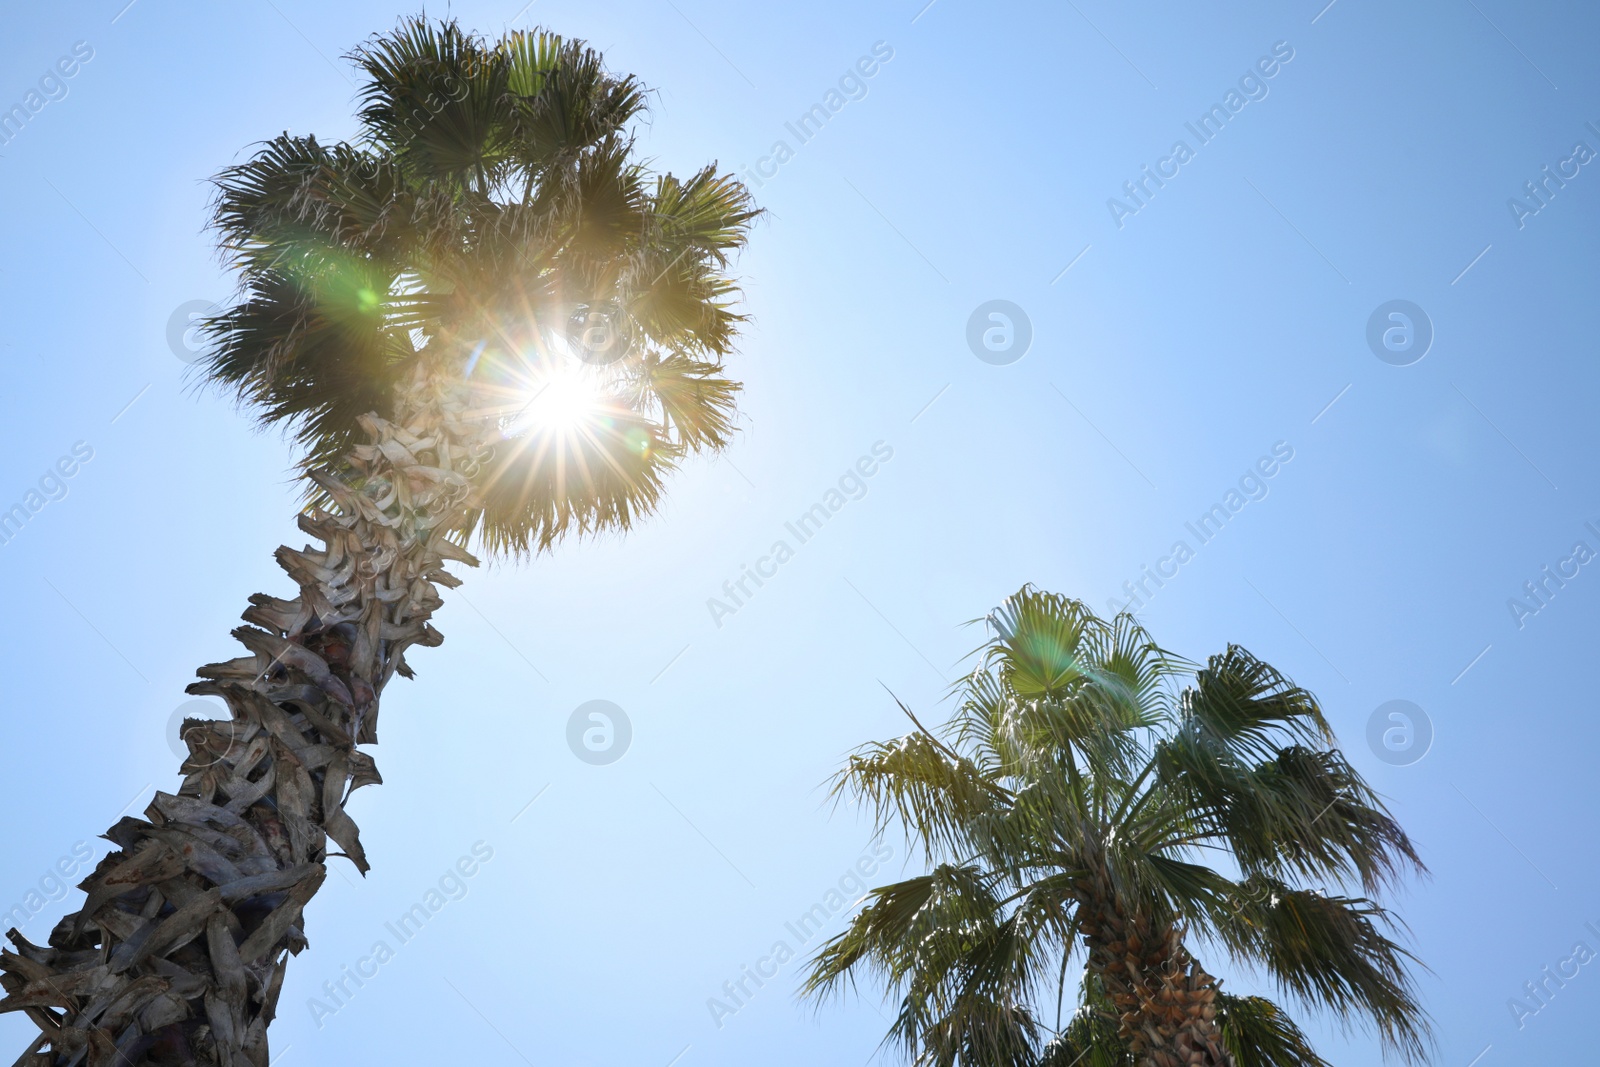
[
  {"x": 1096, "y": 799},
  {"x": 486, "y": 323}
]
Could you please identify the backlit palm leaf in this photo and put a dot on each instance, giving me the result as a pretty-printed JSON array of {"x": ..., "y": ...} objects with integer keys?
[{"x": 492, "y": 201}]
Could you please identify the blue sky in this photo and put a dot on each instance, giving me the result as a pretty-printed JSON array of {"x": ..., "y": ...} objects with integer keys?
[{"x": 1226, "y": 316}]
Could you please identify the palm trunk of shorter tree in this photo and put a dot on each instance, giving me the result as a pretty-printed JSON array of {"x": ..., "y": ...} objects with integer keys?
[
  {"x": 1165, "y": 1001},
  {"x": 178, "y": 954}
]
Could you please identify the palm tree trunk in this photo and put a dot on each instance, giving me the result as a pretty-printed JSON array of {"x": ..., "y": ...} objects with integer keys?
[
  {"x": 1165, "y": 1001},
  {"x": 178, "y": 954}
]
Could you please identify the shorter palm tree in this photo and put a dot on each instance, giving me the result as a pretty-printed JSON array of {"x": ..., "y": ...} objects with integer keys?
[{"x": 1064, "y": 811}]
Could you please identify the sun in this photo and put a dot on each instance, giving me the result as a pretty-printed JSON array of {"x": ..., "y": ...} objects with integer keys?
[
  {"x": 563, "y": 399},
  {"x": 541, "y": 390}
]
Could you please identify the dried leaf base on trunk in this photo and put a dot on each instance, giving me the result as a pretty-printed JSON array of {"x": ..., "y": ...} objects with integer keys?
[
  {"x": 1165, "y": 1001},
  {"x": 178, "y": 954}
]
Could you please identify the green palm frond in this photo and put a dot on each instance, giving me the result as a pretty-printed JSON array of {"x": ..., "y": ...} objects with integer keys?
[
  {"x": 1260, "y": 1034},
  {"x": 1244, "y": 705},
  {"x": 434, "y": 101},
  {"x": 963, "y": 960},
  {"x": 1056, "y": 681},
  {"x": 1039, "y": 644},
  {"x": 1251, "y": 763},
  {"x": 980, "y": 1032},
  {"x": 1330, "y": 951},
  {"x": 696, "y": 402},
  {"x": 941, "y": 800},
  {"x": 1091, "y": 1037},
  {"x": 1089, "y": 1040},
  {"x": 915, "y": 936}
]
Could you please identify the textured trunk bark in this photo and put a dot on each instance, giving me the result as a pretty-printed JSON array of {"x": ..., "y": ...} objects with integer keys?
[
  {"x": 1165, "y": 1001},
  {"x": 178, "y": 954}
]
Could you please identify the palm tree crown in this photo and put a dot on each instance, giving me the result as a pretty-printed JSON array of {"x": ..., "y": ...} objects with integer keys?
[
  {"x": 1064, "y": 811},
  {"x": 489, "y": 224}
]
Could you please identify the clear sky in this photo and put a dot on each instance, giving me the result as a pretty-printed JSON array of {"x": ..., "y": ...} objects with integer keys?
[{"x": 1179, "y": 335}]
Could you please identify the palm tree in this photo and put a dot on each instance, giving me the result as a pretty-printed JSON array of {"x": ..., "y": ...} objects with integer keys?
[
  {"x": 485, "y": 323},
  {"x": 1064, "y": 812}
]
